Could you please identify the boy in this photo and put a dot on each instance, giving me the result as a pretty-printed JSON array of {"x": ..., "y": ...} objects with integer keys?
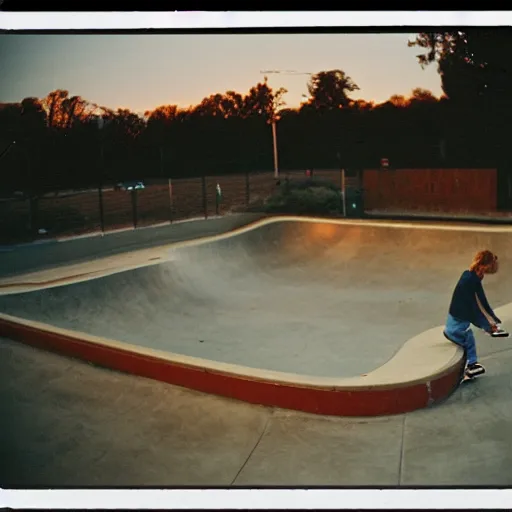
[{"x": 469, "y": 306}]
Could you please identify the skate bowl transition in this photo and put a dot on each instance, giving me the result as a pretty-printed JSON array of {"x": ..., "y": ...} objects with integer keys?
[{"x": 333, "y": 317}]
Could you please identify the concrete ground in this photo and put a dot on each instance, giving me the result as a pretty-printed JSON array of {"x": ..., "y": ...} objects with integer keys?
[
  {"x": 50, "y": 253},
  {"x": 66, "y": 422}
]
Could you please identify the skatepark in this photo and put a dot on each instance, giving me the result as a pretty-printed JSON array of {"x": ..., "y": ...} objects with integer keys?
[{"x": 281, "y": 317}]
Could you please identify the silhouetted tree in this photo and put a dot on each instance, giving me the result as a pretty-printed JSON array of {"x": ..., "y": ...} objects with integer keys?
[
  {"x": 329, "y": 89},
  {"x": 33, "y": 117},
  {"x": 476, "y": 74},
  {"x": 229, "y": 133},
  {"x": 474, "y": 64},
  {"x": 423, "y": 95},
  {"x": 263, "y": 101}
]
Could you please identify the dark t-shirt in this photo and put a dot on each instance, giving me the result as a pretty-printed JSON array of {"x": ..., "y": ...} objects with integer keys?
[{"x": 464, "y": 304}]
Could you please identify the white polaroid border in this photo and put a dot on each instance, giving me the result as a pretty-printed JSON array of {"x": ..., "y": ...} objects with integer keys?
[
  {"x": 233, "y": 499},
  {"x": 214, "y": 499},
  {"x": 249, "y": 19}
]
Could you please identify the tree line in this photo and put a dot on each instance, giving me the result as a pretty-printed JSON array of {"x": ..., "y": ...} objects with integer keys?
[{"x": 64, "y": 140}]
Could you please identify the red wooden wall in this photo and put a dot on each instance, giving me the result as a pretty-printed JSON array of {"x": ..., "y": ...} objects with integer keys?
[{"x": 431, "y": 189}]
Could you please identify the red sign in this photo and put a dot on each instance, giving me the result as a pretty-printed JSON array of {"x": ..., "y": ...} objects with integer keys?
[{"x": 384, "y": 162}]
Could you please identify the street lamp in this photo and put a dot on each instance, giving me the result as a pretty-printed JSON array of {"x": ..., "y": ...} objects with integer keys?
[
  {"x": 275, "y": 115},
  {"x": 273, "y": 122}
]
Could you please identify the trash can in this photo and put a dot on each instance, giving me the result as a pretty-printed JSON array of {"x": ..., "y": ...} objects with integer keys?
[{"x": 354, "y": 203}]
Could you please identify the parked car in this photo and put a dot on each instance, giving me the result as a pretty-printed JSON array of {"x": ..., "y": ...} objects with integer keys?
[{"x": 129, "y": 185}]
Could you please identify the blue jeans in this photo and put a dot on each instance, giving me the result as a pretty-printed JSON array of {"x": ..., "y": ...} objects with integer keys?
[{"x": 460, "y": 333}]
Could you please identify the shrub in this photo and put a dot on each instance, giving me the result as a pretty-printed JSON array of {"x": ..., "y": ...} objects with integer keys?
[
  {"x": 300, "y": 199},
  {"x": 304, "y": 184}
]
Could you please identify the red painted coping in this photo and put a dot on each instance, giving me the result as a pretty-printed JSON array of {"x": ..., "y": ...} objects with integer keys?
[{"x": 327, "y": 399}]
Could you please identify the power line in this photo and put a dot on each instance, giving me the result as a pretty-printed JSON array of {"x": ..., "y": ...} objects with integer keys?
[{"x": 285, "y": 72}]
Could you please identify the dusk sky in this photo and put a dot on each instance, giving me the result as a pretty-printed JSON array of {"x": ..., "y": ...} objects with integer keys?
[{"x": 142, "y": 72}]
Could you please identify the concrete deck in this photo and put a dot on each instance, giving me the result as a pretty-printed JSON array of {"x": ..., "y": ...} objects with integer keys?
[
  {"x": 291, "y": 312},
  {"x": 69, "y": 423}
]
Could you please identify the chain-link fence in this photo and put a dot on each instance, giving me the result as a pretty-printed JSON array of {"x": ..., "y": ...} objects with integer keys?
[{"x": 115, "y": 206}]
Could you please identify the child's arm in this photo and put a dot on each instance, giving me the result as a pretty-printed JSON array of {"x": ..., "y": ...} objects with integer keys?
[
  {"x": 484, "y": 305},
  {"x": 485, "y": 320}
]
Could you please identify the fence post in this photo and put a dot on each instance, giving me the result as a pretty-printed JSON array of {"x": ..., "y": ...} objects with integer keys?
[
  {"x": 205, "y": 197},
  {"x": 100, "y": 190},
  {"x": 247, "y": 189},
  {"x": 29, "y": 222},
  {"x": 170, "y": 200},
  {"x": 134, "y": 207},
  {"x": 33, "y": 206},
  {"x": 31, "y": 212},
  {"x": 102, "y": 212},
  {"x": 344, "y": 192}
]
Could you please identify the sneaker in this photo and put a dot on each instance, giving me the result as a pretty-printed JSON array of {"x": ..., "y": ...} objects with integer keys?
[{"x": 474, "y": 369}]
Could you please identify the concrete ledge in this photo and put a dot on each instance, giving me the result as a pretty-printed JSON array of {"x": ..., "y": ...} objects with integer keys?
[
  {"x": 495, "y": 219},
  {"x": 407, "y": 382}
]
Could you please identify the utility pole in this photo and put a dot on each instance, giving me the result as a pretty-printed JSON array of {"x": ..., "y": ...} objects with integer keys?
[
  {"x": 274, "y": 140},
  {"x": 275, "y": 117}
]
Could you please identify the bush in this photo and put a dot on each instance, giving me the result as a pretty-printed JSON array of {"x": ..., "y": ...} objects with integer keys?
[
  {"x": 299, "y": 199},
  {"x": 308, "y": 184}
]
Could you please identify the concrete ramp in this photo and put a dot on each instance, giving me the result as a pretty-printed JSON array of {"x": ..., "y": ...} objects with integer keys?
[{"x": 332, "y": 308}]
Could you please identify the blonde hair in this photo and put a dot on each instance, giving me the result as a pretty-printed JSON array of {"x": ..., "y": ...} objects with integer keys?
[{"x": 484, "y": 262}]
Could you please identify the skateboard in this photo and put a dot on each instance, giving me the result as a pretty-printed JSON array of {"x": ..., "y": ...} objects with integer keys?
[{"x": 500, "y": 333}]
